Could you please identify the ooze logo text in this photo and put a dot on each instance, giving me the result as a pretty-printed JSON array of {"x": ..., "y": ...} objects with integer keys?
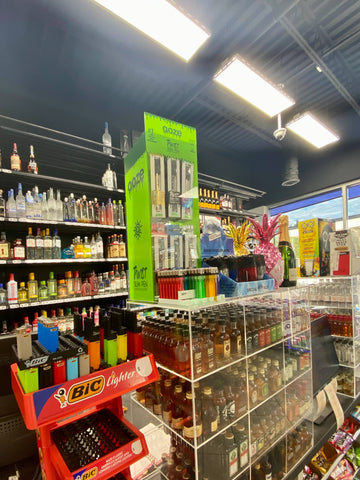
[
  {"x": 172, "y": 131},
  {"x": 136, "y": 181},
  {"x": 80, "y": 391}
]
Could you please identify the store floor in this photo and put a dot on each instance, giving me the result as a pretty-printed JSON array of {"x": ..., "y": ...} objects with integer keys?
[{"x": 28, "y": 468}]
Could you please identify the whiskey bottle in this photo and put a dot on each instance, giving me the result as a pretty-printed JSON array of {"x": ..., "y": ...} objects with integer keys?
[
  {"x": 209, "y": 414},
  {"x": 4, "y": 247},
  {"x": 192, "y": 426},
  {"x": 32, "y": 165},
  {"x": 222, "y": 343},
  {"x": 15, "y": 161},
  {"x": 177, "y": 409}
]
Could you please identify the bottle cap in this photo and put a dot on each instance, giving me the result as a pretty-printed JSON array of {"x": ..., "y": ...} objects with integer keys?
[
  {"x": 32, "y": 276},
  {"x": 51, "y": 275},
  {"x": 207, "y": 391},
  {"x": 22, "y": 284},
  {"x": 189, "y": 396},
  {"x": 178, "y": 389},
  {"x": 167, "y": 383},
  {"x": 42, "y": 282},
  {"x": 11, "y": 276}
]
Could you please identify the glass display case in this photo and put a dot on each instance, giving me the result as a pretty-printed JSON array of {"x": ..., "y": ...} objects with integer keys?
[
  {"x": 235, "y": 385},
  {"x": 338, "y": 298}
]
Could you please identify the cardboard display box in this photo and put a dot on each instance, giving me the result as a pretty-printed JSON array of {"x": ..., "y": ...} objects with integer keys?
[
  {"x": 345, "y": 252},
  {"x": 314, "y": 245}
]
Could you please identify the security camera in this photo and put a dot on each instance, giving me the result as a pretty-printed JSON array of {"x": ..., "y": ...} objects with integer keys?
[{"x": 280, "y": 133}]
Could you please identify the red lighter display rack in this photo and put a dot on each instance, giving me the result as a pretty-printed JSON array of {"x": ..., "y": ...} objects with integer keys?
[{"x": 55, "y": 407}]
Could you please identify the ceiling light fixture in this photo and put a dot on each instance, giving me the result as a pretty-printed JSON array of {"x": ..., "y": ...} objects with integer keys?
[
  {"x": 161, "y": 21},
  {"x": 311, "y": 130},
  {"x": 241, "y": 79}
]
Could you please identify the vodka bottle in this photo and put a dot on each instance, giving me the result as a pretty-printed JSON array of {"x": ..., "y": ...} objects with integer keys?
[
  {"x": 59, "y": 207},
  {"x": 93, "y": 247},
  {"x": 51, "y": 205},
  {"x": 44, "y": 207},
  {"x": 11, "y": 204},
  {"x": 106, "y": 140},
  {"x": 120, "y": 215},
  {"x": 66, "y": 217},
  {"x": 37, "y": 204},
  {"x": 2, "y": 205},
  {"x": 29, "y": 205},
  {"x": 56, "y": 245},
  {"x": 20, "y": 203},
  {"x": 72, "y": 210},
  {"x": 99, "y": 246}
]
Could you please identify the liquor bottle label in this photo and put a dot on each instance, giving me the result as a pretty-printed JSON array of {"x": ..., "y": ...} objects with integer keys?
[
  {"x": 233, "y": 462},
  {"x": 265, "y": 390},
  {"x": 167, "y": 416},
  {"x": 292, "y": 274},
  {"x": 157, "y": 408},
  {"x": 214, "y": 426},
  {"x": 30, "y": 243},
  {"x": 4, "y": 250},
  {"x": 254, "y": 396},
  {"x": 227, "y": 349},
  {"x": 230, "y": 408},
  {"x": 253, "y": 448},
  {"x": 279, "y": 382},
  {"x": 238, "y": 344},
  {"x": 19, "y": 252},
  {"x": 48, "y": 243},
  {"x": 177, "y": 423},
  {"x": 189, "y": 432},
  {"x": 244, "y": 453},
  {"x": 260, "y": 445}
]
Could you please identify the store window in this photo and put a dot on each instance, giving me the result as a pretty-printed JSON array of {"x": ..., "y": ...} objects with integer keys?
[
  {"x": 327, "y": 205},
  {"x": 353, "y": 206}
]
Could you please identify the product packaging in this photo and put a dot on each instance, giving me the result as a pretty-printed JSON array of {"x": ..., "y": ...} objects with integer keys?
[
  {"x": 160, "y": 251},
  {"x": 157, "y": 177},
  {"x": 173, "y": 199},
  {"x": 314, "y": 246},
  {"x": 345, "y": 252},
  {"x": 188, "y": 190}
]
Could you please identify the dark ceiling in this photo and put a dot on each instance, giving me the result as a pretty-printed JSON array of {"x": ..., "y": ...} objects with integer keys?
[{"x": 70, "y": 65}]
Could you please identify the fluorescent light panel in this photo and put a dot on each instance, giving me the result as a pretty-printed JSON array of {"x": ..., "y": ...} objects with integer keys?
[
  {"x": 311, "y": 130},
  {"x": 161, "y": 21},
  {"x": 241, "y": 79}
]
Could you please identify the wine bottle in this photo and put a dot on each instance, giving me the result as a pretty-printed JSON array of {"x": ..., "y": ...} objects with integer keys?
[{"x": 287, "y": 253}]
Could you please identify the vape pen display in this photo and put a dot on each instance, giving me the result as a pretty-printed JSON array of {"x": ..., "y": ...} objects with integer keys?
[
  {"x": 187, "y": 191},
  {"x": 173, "y": 188},
  {"x": 90, "y": 438},
  {"x": 157, "y": 186}
]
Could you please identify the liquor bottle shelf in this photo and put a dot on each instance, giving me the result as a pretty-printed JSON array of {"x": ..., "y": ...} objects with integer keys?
[
  {"x": 225, "y": 213},
  {"x": 76, "y": 225},
  {"x": 284, "y": 387},
  {"x": 51, "y": 261},
  {"x": 169, "y": 428},
  {"x": 46, "y": 179},
  {"x": 13, "y": 306}
]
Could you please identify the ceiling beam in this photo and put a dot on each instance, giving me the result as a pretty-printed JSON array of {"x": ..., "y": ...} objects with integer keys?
[{"x": 317, "y": 59}]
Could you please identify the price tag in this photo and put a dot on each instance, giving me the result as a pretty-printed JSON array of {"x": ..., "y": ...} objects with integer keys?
[
  {"x": 12, "y": 219},
  {"x": 6, "y": 170},
  {"x": 24, "y": 305},
  {"x": 3, "y": 307},
  {"x": 35, "y": 304},
  {"x": 2, "y": 262},
  {"x": 13, "y": 305},
  {"x": 16, "y": 261},
  {"x": 2, "y": 219}
]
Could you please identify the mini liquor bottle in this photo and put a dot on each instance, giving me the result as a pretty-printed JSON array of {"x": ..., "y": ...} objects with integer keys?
[
  {"x": 18, "y": 250},
  {"x": 62, "y": 291},
  {"x": 167, "y": 402},
  {"x": 32, "y": 286},
  {"x": 4, "y": 247},
  {"x": 230, "y": 456},
  {"x": 32, "y": 165},
  {"x": 85, "y": 288},
  {"x": 69, "y": 283},
  {"x": 242, "y": 441},
  {"x": 2, "y": 205},
  {"x": 157, "y": 402},
  {"x": 177, "y": 407},
  {"x": 235, "y": 338},
  {"x": 192, "y": 426},
  {"x": 39, "y": 245},
  {"x": 208, "y": 355},
  {"x": 52, "y": 285},
  {"x": 43, "y": 291},
  {"x": 22, "y": 293},
  {"x": 30, "y": 245},
  {"x": 56, "y": 245},
  {"x": 197, "y": 354},
  {"x": 209, "y": 414},
  {"x": 15, "y": 161},
  {"x": 122, "y": 247},
  {"x": 222, "y": 343},
  {"x": 48, "y": 245},
  {"x": 3, "y": 295}
]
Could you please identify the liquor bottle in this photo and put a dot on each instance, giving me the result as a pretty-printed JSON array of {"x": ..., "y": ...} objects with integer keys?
[
  {"x": 59, "y": 207},
  {"x": 52, "y": 285},
  {"x": 29, "y": 205},
  {"x": 123, "y": 279},
  {"x": 56, "y": 245},
  {"x": 196, "y": 354},
  {"x": 99, "y": 246},
  {"x": 62, "y": 291},
  {"x": 209, "y": 414},
  {"x": 20, "y": 203},
  {"x": 39, "y": 245},
  {"x": 106, "y": 140},
  {"x": 217, "y": 203},
  {"x": 3, "y": 295},
  {"x": 15, "y": 161},
  {"x": 87, "y": 248},
  {"x": 287, "y": 253},
  {"x": 257, "y": 473},
  {"x": 167, "y": 402},
  {"x": 96, "y": 207},
  {"x": 18, "y": 250},
  {"x": 109, "y": 213},
  {"x": 11, "y": 204},
  {"x": 117, "y": 278},
  {"x": 2, "y": 205},
  {"x": 36, "y": 204},
  {"x": 222, "y": 343},
  {"x": 235, "y": 338},
  {"x": 157, "y": 402},
  {"x": 122, "y": 247},
  {"x": 192, "y": 427},
  {"x": 69, "y": 283},
  {"x": 23, "y": 293},
  {"x": 116, "y": 212},
  {"x": 48, "y": 245},
  {"x": 4, "y": 247},
  {"x": 120, "y": 216},
  {"x": 32, "y": 165},
  {"x": 44, "y": 207},
  {"x": 201, "y": 198},
  {"x": 77, "y": 284},
  {"x": 12, "y": 289},
  {"x": 230, "y": 456},
  {"x": 43, "y": 291},
  {"x": 33, "y": 289},
  {"x": 102, "y": 216},
  {"x": 84, "y": 210},
  {"x": 208, "y": 356},
  {"x": 242, "y": 442},
  {"x": 71, "y": 208},
  {"x": 177, "y": 409}
]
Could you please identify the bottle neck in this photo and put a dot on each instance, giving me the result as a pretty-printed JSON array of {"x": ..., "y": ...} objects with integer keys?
[{"x": 284, "y": 233}]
